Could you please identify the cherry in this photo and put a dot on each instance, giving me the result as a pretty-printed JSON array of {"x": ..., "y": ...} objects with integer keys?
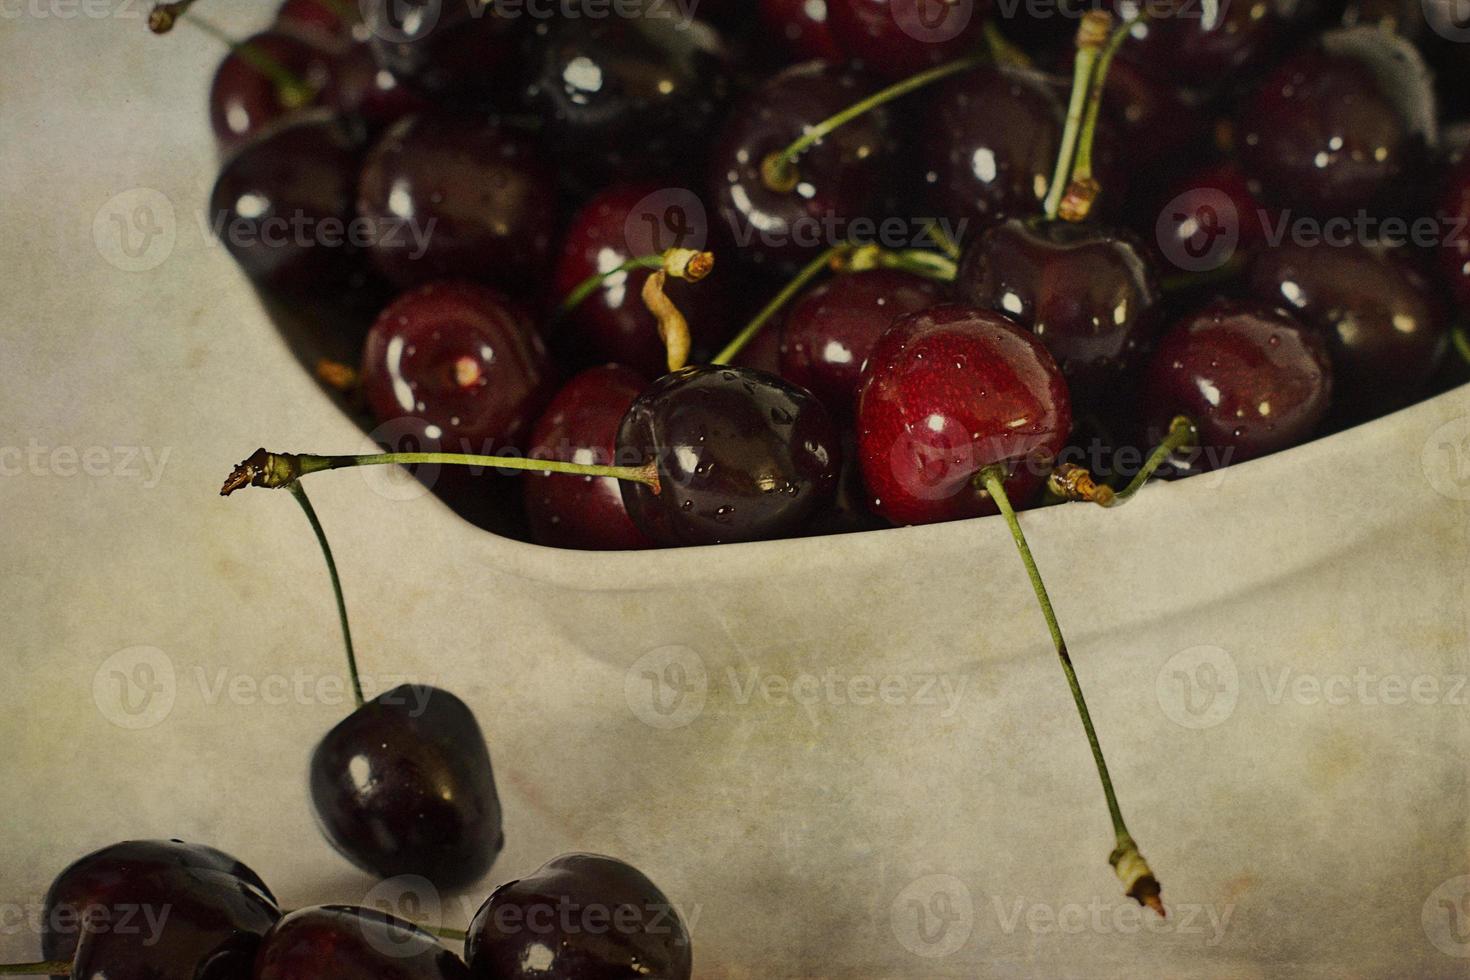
[
  {"x": 1204, "y": 46},
  {"x": 763, "y": 353},
  {"x": 1155, "y": 121},
  {"x": 1250, "y": 376},
  {"x": 1382, "y": 320},
  {"x": 897, "y": 38},
  {"x": 841, "y": 178},
  {"x": 448, "y": 50},
  {"x": 946, "y": 393},
  {"x": 741, "y": 456},
  {"x": 1454, "y": 249},
  {"x": 279, "y": 197},
  {"x": 1344, "y": 124},
  {"x": 349, "y": 943},
  {"x": 803, "y": 26},
  {"x": 622, "y": 222},
  {"x": 453, "y": 196},
  {"x": 1207, "y": 215},
  {"x": 244, "y": 99},
  {"x": 1088, "y": 292},
  {"x": 828, "y": 333},
  {"x": 319, "y": 20},
  {"x": 358, "y": 87},
  {"x": 459, "y": 365},
  {"x": 581, "y": 426},
  {"x": 579, "y": 917},
  {"x": 628, "y": 95},
  {"x": 104, "y": 881}
]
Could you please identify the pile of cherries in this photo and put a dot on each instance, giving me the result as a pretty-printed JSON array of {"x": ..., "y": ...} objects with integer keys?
[{"x": 494, "y": 159}]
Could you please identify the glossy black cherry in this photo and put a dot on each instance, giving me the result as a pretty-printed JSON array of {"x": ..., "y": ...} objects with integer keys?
[
  {"x": 359, "y": 87},
  {"x": 842, "y": 178},
  {"x": 581, "y": 426},
  {"x": 1382, "y": 319},
  {"x": 450, "y": 51},
  {"x": 1253, "y": 378},
  {"x": 1346, "y": 123},
  {"x": 899, "y": 38},
  {"x": 403, "y": 786},
  {"x": 459, "y": 365},
  {"x": 1088, "y": 292},
  {"x": 243, "y": 99},
  {"x": 321, "y": 21},
  {"x": 344, "y": 942},
  {"x": 1205, "y": 46},
  {"x": 579, "y": 917},
  {"x": 454, "y": 196},
  {"x": 742, "y": 456},
  {"x": 628, "y": 96},
  {"x": 830, "y": 330}
]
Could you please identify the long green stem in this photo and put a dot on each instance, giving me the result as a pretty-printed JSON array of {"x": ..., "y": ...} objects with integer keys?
[
  {"x": 1082, "y": 166},
  {"x": 747, "y": 333},
  {"x": 43, "y": 968},
  {"x": 299, "y": 492},
  {"x": 1182, "y": 433},
  {"x": 779, "y": 169},
  {"x": 276, "y": 470},
  {"x": 1462, "y": 342},
  {"x": 1087, "y": 49},
  {"x": 589, "y": 285},
  {"x": 294, "y": 92},
  {"x": 1138, "y": 880}
]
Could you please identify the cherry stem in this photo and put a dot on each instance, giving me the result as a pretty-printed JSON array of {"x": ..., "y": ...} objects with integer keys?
[
  {"x": 299, "y": 492},
  {"x": 1137, "y": 878},
  {"x": 1182, "y": 433},
  {"x": 941, "y": 238},
  {"x": 1462, "y": 342},
  {"x": 814, "y": 268},
  {"x": 276, "y": 470},
  {"x": 778, "y": 170},
  {"x": 1002, "y": 51},
  {"x": 1083, "y": 188},
  {"x": 294, "y": 92},
  {"x": 57, "y": 967},
  {"x": 1091, "y": 33},
  {"x": 589, "y": 285}
]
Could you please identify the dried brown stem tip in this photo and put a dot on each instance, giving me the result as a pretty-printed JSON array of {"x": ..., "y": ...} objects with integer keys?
[
  {"x": 672, "y": 326},
  {"x": 1138, "y": 879},
  {"x": 1094, "y": 30},
  {"x": 263, "y": 469},
  {"x": 1072, "y": 482},
  {"x": 688, "y": 264},
  {"x": 336, "y": 375},
  {"x": 779, "y": 174},
  {"x": 163, "y": 16},
  {"x": 1077, "y": 202}
]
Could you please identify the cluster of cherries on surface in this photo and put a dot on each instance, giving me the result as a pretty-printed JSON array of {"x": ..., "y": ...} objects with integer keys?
[{"x": 530, "y": 151}]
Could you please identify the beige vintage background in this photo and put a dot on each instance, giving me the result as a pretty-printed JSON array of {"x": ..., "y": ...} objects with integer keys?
[{"x": 1276, "y": 656}]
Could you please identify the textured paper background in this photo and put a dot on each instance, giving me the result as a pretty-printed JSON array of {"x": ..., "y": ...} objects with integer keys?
[{"x": 1302, "y": 827}]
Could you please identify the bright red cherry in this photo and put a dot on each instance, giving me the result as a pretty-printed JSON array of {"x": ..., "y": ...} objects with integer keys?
[
  {"x": 1087, "y": 292},
  {"x": 828, "y": 332},
  {"x": 243, "y": 100},
  {"x": 1344, "y": 124},
  {"x": 455, "y": 197},
  {"x": 947, "y": 392},
  {"x": 1382, "y": 319},
  {"x": 459, "y": 364},
  {"x": 622, "y": 222},
  {"x": 899, "y": 38},
  {"x": 802, "y": 25},
  {"x": 581, "y": 426},
  {"x": 1252, "y": 378}
]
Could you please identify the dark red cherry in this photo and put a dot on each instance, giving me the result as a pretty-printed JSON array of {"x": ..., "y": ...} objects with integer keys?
[
  {"x": 359, "y": 87},
  {"x": 947, "y": 392},
  {"x": 105, "y": 883},
  {"x": 157, "y": 910},
  {"x": 842, "y": 177},
  {"x": 581, "y": 426},
  {"x": 830, "y": 330},
  {"x": 802, "y": 26},
  {"x": 622, "y": 222},
  {"x": 243, "y": 99},
  {"x": 741, "y": 455},
  {"x": 1344, "y": 124},
  {"x": 324, "y": 21},
  {"x": 455, "y": 197},
  {"x": 763, "y": 352},
  {"x": 1205, "y": 218},
  {"x": 1454, "y": 249},
  {"x": 403, "y": 786},
  {"x": 1253, "y": 379},
  {"x": 1155, "y": 121},
  {"x": 628, "y": 96},
  {"x": 1086, "y": 291},
  {"x": 282, "y": 205},
  {"x": 579, "y": 917},
  {"x": 1383, "y": 322},
  {"x": 457, "y": 51},
  {"x": 460, "y": 365},
  {"x": 1205, "y": 45},
  {"x": 899, "y": 38},
  {"x": 348, "y": 943}
]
